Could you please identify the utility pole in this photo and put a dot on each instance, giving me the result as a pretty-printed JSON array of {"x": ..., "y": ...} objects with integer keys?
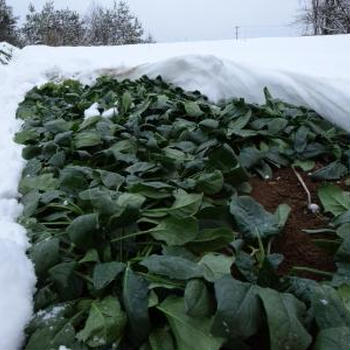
[{"x": 236, "y": 31}]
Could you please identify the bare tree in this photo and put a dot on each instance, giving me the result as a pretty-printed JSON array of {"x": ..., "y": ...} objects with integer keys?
[{"x": 324, "y": 17}]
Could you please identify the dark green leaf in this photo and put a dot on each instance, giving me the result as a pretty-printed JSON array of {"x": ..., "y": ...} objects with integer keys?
[
  {"x": 105, "y": 273},
  {"x": 44, "y": 255},
  {"x": 332, "y": 171},
  {"x": 82, "y": 230},
  {"x": 239, "y": 313},
  {"x": 176, "y": 231},
  {"x": 252, "y": 219},
  {"x": 135, "y": 297},
  {"x": 334, "y": 200},
  {"x": 191, "y": 333},
  {"x": 105, "y": 323},
  {"x": 172, "y": 266},
  {"x": 67, "y": 284},
  {"x": 197, "y": 299},
  {"x": 284, "y": 316}
]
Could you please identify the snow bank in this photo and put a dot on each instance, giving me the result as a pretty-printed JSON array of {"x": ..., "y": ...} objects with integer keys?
[
  {"x": 17, "y": 279},
  {"x": 311, "y": 71}
]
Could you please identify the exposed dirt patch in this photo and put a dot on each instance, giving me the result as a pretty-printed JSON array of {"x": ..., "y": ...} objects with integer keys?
[{"x": 296, "y": 246}]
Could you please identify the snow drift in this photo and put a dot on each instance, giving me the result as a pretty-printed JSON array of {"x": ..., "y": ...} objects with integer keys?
[{"x": 311, "y": 71}]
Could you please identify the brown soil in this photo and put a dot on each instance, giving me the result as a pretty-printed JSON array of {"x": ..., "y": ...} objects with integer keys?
[{"x": 296, "y": 246}]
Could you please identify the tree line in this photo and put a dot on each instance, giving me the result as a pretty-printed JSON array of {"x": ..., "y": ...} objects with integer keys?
[
  {"x": 323, "y": 17},
  {"x": 115, "y": 25}
]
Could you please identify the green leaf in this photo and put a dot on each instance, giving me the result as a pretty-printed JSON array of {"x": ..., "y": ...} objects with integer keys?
[
  {"x": 334, "y": 200},
  {"x": 57, "y": 126},
  {"x": 192, "y": 109},
  {"x": 44, "y": 255},
  {"x": 135, "y": 298},
  {"x": 29, "y": 152},
  {"x": 276, "y": 125},
  {"x": 161, "y": 339},
  {"x": 333, "y": 338},
  {"x": 215, "y": 266},
  {"x": 239, "y": 313},
  {"x": 225, "y": 159},
  {"x": 105, "y": 273},
  {"x": 300, "y": 141},
  {"x": 197, "y": 299},
  {"x": 172, "y": 266},
  {"x": 332, "y": 171},
  {"x": 87, "y": 139},
  {"x": 212, "y": 239},
  {"x": 176, "y": 231},
  {"x": 191, "y": 333},
  {"x": 89, "y": 122},
  {"x": 185, "y": 204},
  {"x": 90, "y": 256},
  {"x": 210, "y": 183},
  {"x": 72, "y": 180},
  {"x": 282, "y": 213},
  {"x": 30, "y": 202},
  {"x": 284, "y": 317},
  {"x": 82, "y": 230},
  {"x": 67, "y": 284},
  {"x": 305, "y": 165},
  {"x": 344, "y": 293},
  {"x": 250, "y": 156},
  {"x": 58, "y": 159},
  {"x": 332, "y": 318},
  {"x": 52, "y": 330},
  {"x": 63, "y": 138},
  {"x": 43, "y": 182},
  {"x": 105, "y": 323},
  {"x": 236, "y": 125},
  {"x": 328, "y": 308},
  {"x": 126, "y": 102},
  {"x": 151, "y": 189},
  {"x": 111, "y": 180},
  {"x": 100, "y": 200},
  {"x": 209, "y": 123},
  {"x": 252, "y": 219},
  {"x": 32, "y": 168},
  {"x": 26, "y": 136}
]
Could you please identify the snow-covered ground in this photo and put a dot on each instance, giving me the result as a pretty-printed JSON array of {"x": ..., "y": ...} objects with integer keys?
[{"x": 311, "y": 71}]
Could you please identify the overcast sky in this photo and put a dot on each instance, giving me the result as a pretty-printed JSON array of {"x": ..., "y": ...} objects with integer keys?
[{"x": 182, "y": 20}]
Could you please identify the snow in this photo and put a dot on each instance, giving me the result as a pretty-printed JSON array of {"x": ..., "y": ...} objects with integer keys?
[
  {"x": 17, "y": 279},
  {"x": 62, "y": 347},
  {"x": 92, "y": 111},
  {"x": 48, "y": 315},
  {"x": 312, "y": 71},
  {"x": 110, "y": 112}
]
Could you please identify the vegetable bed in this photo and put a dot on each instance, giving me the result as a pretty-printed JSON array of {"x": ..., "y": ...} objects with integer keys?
[{"x": 148, "y": 229}]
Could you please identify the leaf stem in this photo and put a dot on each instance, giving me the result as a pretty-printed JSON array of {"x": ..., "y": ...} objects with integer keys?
[
  {"x": 303, "y": 185},
  {"x": 135, "y": 234},
  {"x": 310, "y": 269}
]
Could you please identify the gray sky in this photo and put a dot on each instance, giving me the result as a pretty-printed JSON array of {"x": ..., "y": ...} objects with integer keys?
[{"x": 186, "y": 20}]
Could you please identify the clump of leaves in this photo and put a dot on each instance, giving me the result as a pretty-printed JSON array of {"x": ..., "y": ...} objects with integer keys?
[{"x": 137, "y": 218}]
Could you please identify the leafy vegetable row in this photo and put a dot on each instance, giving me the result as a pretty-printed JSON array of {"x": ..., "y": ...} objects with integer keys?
[{"x": 140, "y": 216}]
